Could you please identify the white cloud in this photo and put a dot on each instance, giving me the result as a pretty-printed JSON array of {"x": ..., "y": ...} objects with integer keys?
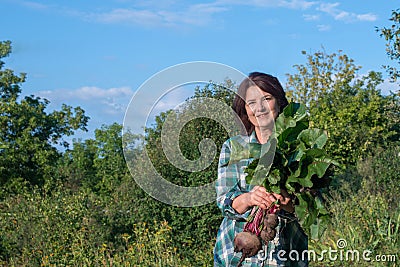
[
  {"x": 111, "y": 101},
  {"x": 198, "y": 14},
  {"x": 309, "y": 17},
  {"x": 297, "y": 4},
  {"x": 294, "y": 36},
  {"x": 34, "y": 5},
  {"x": 367, "y": 17},
  {"x": 386, "y": 87},
  {"x": 108, "y": 105},
  {"x": 141, "y": 17},
  {"x": 118, "y": 92},
  {"x": 323, "y": 27},
  {"x": 170, "y": 13},
  {"x": 129, "y": 16},
  {"x": 334, "y": 11},
  {"x": 292, "y": 4},
  {"x": 207, "y": 8},
  {"x": 330, "y": 8},
  {"x": 104, "y": 106},
  {"x": 92, "y": 92}
]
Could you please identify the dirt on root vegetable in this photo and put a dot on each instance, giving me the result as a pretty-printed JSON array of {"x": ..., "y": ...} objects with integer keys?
[
  {"x": 260, "y": 228},
  {"x": 247, "y": 243}
]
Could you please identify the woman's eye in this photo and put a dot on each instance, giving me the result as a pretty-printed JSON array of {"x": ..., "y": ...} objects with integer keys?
[{"x": 267, "y": 98}]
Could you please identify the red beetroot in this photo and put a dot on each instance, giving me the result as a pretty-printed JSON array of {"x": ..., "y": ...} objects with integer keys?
[
  {"x": 247, "y": 243},
  {"x": 271, "y": 220},
  {"x": 268, "y": 234},
  {"x": 261, "y": 224}
]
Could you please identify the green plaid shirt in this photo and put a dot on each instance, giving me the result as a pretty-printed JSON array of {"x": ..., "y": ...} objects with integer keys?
[{"x": 232, "y": 183}]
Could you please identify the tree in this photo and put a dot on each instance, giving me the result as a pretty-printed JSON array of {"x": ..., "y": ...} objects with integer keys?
[
  {"x": 350, "y": 107},
  {"x": 76, "y": 166},
  {"x": 98, "y": 164},
  {"x": 29, "y": 134},
  {"x": 193, "y": 227},
  {"x": 109, "y": 161},
  {"x": 392, "y": 37}
]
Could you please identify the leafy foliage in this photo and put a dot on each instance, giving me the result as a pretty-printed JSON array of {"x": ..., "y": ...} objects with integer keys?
[
  {"x": 69, "y": 229},
  {"x": 351, "y": 109},
  {"x": 365, "y": 212},
  {"x": 29, "y": 133},
  {"x": 300, "y": 166},
  {"x": 196, "y": 226},
  {"x": 81, "y": 207},
  {"x": 392, "y": 37}
]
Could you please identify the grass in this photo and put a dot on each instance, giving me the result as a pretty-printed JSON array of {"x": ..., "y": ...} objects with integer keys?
[{"x": 71, "y": 229}]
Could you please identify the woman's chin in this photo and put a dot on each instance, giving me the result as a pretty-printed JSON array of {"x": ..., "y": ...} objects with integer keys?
[{"x": 265, "y": 123}]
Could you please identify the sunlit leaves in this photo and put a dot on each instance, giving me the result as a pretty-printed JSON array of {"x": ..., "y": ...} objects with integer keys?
[
  {"x": 349, "y": 107},
  {"x": 392, "y": 37},
  {"x": 300, "y": 165},
  {"x": 29, "y": 133}
]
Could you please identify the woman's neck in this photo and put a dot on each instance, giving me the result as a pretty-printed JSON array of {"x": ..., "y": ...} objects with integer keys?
[{"x": 263, "y": 134}]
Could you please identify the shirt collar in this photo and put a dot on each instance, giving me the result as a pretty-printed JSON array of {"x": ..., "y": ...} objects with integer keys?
[{"x": 253, "y": 138}]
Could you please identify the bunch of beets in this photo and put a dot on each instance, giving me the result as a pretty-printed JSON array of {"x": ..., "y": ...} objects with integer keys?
[{"x": 261, "y": 226}]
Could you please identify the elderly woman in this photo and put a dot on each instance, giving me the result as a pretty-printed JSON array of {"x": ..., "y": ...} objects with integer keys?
[{"x": 259, "y": 100}]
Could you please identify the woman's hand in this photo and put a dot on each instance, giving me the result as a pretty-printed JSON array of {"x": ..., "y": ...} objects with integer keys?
[{"x": 259, "y": 196}]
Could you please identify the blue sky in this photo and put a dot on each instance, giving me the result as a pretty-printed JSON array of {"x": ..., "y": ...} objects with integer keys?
[{"x": 95, "y": 54}]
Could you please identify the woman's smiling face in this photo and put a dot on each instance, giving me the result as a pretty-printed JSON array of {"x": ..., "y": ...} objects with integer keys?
[{"x": 261, "y": 107}]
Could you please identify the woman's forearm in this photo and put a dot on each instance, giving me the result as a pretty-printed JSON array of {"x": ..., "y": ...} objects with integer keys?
[{"x": 240, "y": 203}]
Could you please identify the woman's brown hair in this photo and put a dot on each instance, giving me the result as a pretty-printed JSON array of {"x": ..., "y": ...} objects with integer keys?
[{"x": 266, "y": 83}]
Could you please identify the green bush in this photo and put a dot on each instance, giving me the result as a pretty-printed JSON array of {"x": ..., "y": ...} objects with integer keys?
[
  {"x": 60, "y": 226},
  {"x": 365, "y": 212},
  {"x": 69, "y": 228},
  {"x": 382, "y": 171}
]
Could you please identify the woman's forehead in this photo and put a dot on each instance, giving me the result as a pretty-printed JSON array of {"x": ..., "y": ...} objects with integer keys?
[{"x": 254, "y": 92}]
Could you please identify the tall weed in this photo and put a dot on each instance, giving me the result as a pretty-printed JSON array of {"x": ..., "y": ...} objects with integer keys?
[{"x": 365, "y": 215}]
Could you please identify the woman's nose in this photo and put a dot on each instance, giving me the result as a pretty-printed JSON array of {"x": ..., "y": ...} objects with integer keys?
[{"x": 261, "y": 106}]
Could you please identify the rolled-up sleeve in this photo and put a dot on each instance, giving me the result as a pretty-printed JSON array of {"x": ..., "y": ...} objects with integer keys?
[{"x": 230, "y": 184}]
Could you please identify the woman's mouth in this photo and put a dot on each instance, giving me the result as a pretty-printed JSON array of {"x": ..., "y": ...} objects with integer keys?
[{"x": 264, "y": 115}]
